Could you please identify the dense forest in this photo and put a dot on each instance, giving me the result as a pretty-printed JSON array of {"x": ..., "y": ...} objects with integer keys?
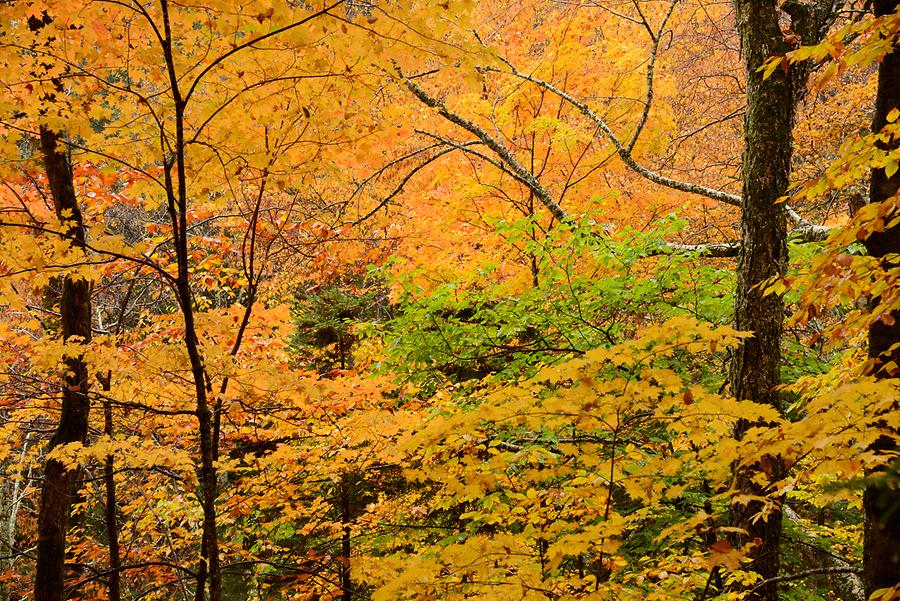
[{"x": 445, "y": 299}]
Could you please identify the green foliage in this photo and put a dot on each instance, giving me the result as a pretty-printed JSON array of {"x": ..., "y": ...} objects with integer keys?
[
  {"x": 325, "y": 317},
  {"x": 591, "y": 291}
]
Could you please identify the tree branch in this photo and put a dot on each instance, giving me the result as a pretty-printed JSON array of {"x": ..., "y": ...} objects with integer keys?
[
  {"x": 712, "y": 249},
  {"x": 508, "y": 163},
  {"x": 399, "y": 188},
  {"x": 515, "y": 167},
  {"x": 648, "y": 102},
  {"x": 805, "y": 229},
  {"x": 621, "y": 149},
  {"x": 807, "y": 573}
]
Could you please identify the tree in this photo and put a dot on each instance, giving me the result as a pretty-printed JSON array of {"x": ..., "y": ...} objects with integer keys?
[
  {"x": 60, "y": 480},
  {"x": 881, "y": 500},
  {"x": 511, "y": 384},
  {"x": 768, "y": 131},
  {"x": 766, "y": 169}
]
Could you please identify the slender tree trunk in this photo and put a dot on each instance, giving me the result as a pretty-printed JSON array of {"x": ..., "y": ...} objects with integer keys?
[
  {"x": 208, "y": 572},
  {"x": 346, "y": 583},
  {"x": 881, "y": 502},
  {"x": 75, "y": 311},
  {"x": 16, "y": 492},
  {"x": 112, "y": 529}
]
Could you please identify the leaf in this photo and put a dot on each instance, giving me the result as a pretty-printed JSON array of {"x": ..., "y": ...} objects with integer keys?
[
  {"x": 688, "y": 397},
  {"x": 721, "y": 546},
  {"x": 844, "y": 260},
  {"x": 886, "y": 594},
  {"x": 768, "y": 67}
]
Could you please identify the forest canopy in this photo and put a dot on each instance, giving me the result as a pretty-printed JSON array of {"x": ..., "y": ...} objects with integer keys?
[{"x": 442, "y": 299}]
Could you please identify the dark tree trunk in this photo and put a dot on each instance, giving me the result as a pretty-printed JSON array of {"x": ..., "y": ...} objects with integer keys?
[
  {"x": 346, "y": 583},
  {"x": 75, "y": 310},
  {"x": 208, "y": 570},
  {"x": 755, "y": 370},
  {"x": 114, "y": 587},
  {"x": 881, "y": 503},
  {"x": 766, "y": 167}
]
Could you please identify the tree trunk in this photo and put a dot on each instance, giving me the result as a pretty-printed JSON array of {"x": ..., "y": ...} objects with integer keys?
[
  {"x": 755, "y": 370},
  {"x": 114, "y": 586},
  {"x": 208, "y": 570},
  {"x": 14, "y": 492},
  {"x": 881, "y": 503},
  {"x": 75, "y": 311},
  {"x": 346, "y": 583},
  {"x": 766, "y": 167}
]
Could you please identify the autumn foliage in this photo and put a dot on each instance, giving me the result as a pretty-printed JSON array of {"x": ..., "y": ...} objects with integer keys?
[{"x": 436, "y": 300}]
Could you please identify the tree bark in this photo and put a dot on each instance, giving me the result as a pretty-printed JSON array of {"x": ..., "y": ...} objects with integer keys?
[
  {"x": 346, "y": 583},
  {"x": 881, "y": 551},
  {"x": 75, "y": 311},
  {"x": 766, "y": 168},
  {"x": 755, "y": 370},
  {"x": 114, "y": 586},
  {"x": 208, "y": 571}
]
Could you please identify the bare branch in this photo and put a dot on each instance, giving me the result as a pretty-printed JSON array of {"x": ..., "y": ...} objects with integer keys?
[
  {"x": 805, "y": 229},
  {"x": 399, "y": 188},
  {"x": 515, "y": 167},
  {"x": 713, "y": 249},
  {"x": 508, "y": 163},
  {"x": 807, "y": 573},
  {"x": 651, "y": 64},
  {"x": 621, "y": 149}
]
